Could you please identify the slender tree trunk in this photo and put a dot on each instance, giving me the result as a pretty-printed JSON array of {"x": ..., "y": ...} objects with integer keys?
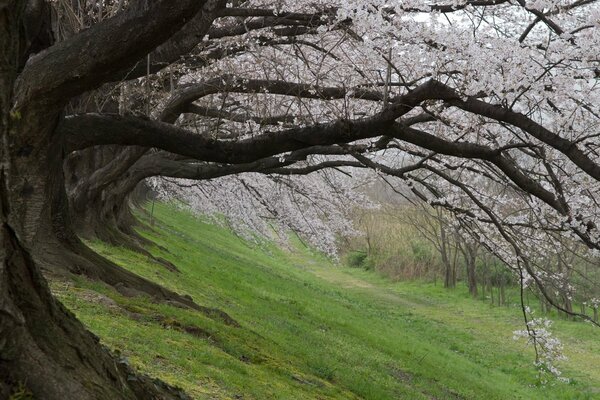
[
  {"x": 470, "y": 254},
  {"x": 484, "y": 280},
  {"x": 543, "y": 308},
  {"x": 445, "y": 259},
  {"x": 454, "y": 263},
  {"x": 564, "y": 268},
  {"x": 471, "y": 278},
  {"x": 568, "y": 307}
]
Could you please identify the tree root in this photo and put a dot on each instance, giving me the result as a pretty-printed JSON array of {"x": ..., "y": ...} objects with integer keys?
[{"x": 46, "y": 352}]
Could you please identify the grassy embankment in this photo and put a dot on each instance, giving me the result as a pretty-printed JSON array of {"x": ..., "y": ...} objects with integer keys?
[{"x": 309, "y": 329}]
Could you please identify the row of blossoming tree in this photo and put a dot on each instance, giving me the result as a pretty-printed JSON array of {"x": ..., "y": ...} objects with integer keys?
[{"x": 486, "y": 108}]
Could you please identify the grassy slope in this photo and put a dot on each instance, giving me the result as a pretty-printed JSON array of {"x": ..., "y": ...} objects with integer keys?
[{"x": 313, "y": 330}]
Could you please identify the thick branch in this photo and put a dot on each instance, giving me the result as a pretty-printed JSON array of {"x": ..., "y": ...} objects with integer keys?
[
  {"x": 503, "y": 114},
  {"x": 93, "y": 56},
  {"x": 87, "y": 130},
  {"x": 450, "y": 8},
  {"x": 170, "y": 165},
  {"x": 477, "y": 151},
  {"x": 179, "y": 45}
]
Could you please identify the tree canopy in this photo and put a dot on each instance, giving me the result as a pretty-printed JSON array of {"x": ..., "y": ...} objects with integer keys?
[{"x": 487, "y": 108}]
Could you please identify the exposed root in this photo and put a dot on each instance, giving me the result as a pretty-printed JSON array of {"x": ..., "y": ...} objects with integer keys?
[{"x": 66, "y": 257}]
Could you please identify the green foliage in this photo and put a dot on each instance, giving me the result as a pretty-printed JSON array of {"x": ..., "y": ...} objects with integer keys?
[
  {"x": 312, "y": 330},
  {"x": 360, "y": 259},
  {"x": 421, "y": 251},
  {"x": 396, "y": 249},
  {"x": 369, "y": 263},
  {"x": 501, "y": 276},
  {"x": 356, "y": 258}
]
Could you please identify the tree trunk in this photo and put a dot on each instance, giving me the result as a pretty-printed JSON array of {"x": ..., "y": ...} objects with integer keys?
[
  {"x": 483, "y": 280},
  {"x": 472, "y": 278},
  {"x": 98, "y": 208},
  {"x": 59, "y": 251},
  {"x": 96, "y": 200},
  {"x": 454, "y": 263},
  {"x": 44, "y": 348},
  {"x": 469, "y": 251},
  {"x": 568, "y": 304},
  {"x": 445, "y": 258},
  {"x": 42, "y": 345},
  {"x": 563, "y": 268}
]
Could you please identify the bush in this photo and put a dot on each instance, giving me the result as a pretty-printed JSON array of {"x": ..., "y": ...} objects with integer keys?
[
  {"x": 421, "y": 252},
  {"x": 360, "y": 259},
  {"x": 369, "y": 263},
  {"x": 356, "y": 258}
]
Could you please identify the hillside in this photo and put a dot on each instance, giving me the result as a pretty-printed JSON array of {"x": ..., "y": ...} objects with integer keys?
[{"x": 283, "y": 324}]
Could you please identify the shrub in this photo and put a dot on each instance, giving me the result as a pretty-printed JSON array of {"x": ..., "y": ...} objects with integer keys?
[
  {"x": 421, "y": 252},
  {"x": 359, "y": 259},
  {"x": 356, "y": 258}
]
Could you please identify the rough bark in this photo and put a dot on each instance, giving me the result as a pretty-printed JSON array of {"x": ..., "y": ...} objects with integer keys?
[
  {"x": 91, "y": 58},
  {"x": 96, "y": 212},
  {"x": 42, "y": 345},
  {"x": 101, "y": 204},
  {"x": 59, "y": 250},
  {"x": 472, "y": 277}
]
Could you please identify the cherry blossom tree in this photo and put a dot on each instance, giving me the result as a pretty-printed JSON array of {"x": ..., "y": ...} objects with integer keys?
[
  {"x": 506, "y": 134},
  {"x": 316, "y": 207},
  {"x": 485, "y": 107}
]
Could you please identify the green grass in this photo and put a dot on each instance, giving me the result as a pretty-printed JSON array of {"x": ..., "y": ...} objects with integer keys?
[{"x": 310, "y": 329}]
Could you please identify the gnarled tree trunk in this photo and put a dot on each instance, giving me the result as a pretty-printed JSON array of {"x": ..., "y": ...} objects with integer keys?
[
  {"x": 98, "y": 208},
  {"x": 42, "y": 345}
]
